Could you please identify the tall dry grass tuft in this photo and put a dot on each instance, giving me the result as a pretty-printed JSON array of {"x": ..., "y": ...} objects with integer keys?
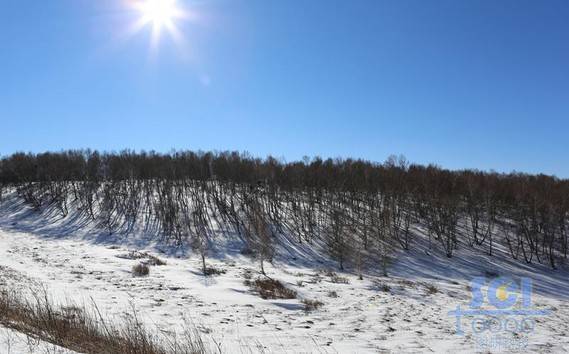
[{"x": 79, "y": 330}]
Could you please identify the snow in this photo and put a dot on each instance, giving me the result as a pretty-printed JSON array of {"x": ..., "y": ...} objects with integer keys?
[
  {"x": 395, "y": 314},
  {"x": 12, "y": 342}
]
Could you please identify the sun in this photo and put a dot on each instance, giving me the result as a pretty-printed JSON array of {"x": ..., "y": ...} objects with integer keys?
[{"x": 160, "y": 14}]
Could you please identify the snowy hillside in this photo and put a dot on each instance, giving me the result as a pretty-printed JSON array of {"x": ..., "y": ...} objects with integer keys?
[{"x": 407, "y": 312}]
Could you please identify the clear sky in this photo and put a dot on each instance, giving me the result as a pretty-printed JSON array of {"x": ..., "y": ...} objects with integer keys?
[{"x": 461, "y": 83}]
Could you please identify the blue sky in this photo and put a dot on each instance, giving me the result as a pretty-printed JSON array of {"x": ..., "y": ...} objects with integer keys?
[{"x": 464, "y": 84}]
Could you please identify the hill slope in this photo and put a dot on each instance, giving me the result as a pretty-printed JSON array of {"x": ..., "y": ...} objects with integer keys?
[{"x": 406, "y": 312}]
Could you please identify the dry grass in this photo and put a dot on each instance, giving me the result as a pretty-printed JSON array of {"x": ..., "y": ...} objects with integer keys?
[
  {"x": 271, "y": 289},
  {"x": 335, "y": 278},
  {"x": 247, "y": 274},
  {"x": 145, "y": 257},
  {"x": 311, "y": 305},
  {"x": 140, "y": 270},
  {"x": 154, "y": 261},
  {"x": 431, "y": 289},
  {"x": 75, "y": 328},
  {"x": 404, "y": 283},
  {"x": 211, "y": 271},
  {"x": 326, "y": 272}
]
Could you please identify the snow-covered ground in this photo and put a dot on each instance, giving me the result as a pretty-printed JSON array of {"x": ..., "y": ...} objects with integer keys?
[
  {"x": 407, "y": 312},
  {"x": 12, "y": 342}
]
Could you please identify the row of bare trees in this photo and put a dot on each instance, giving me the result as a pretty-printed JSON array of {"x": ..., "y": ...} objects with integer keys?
[{"x": 359, "y": 211}]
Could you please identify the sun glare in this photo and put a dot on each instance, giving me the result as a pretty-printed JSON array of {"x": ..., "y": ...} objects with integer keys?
[{"x": 160, "y": 14}]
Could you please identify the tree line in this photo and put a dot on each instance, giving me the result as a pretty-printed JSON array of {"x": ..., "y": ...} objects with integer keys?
[{"x": 360, "y": 211}]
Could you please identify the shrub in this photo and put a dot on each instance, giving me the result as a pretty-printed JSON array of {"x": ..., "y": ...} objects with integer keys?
[
  {"x": 339, "y": 280},
  {"x": 148, "y": 258},
  {"x": 406, "y": 283},
  {"x": 271, "y": 289},
  {"x": 214, "y": 271},
  {"x": 316, "y": 278},
  {"x": 327, "y": 272},
  {"x": 154, "y": 261},
  {"x": 140, "y": 270},
  {"x": 431, "y": 289},
  {"x": 311, "y": 305},
  {"x": 332, "y": 294}
]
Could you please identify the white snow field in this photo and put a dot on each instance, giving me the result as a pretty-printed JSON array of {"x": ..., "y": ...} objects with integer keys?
[
  {"x": 12, "y": 342},
  {"x": 407, "y": 312}
]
